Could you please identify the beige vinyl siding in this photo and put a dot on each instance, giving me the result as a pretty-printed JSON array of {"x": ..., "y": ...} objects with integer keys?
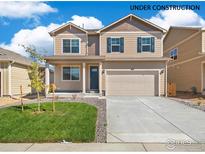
[
  {"x": 186, "y": 70},
  {"x": 129, "y": 24},
  {"x": 59, "y": 38},
  {"x": 187, "y": 50},
  {"x": 203, "y": 41},
  {"x": 177, "y": 35},
  {"x": 186, "y": 75},
  {"x": 4, "y": 71},
  {"x": 67, "y": 85},
  {"x": 130, "y": 44},
  {"x": 20, "y": 76},
  {"x": 93, "y": 45},
  {"x": 69, "y": 30}
]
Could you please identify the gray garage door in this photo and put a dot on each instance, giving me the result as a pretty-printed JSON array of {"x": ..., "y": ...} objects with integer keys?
[{"x": 131, "y": 83}]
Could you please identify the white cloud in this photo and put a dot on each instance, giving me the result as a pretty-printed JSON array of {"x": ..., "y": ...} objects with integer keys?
[
  {"x": 169, "y": 18},
  {"x": 87, "y": 22},
  {"x": 24, "y": 9},
  {"x": 37, "y": 37},
  {"x": 40, "y": 38}
]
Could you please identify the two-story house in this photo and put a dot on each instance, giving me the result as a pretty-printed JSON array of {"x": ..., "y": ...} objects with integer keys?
[
  {"x": 185, "y": 46},
  {"x": 123, "y": 58}
]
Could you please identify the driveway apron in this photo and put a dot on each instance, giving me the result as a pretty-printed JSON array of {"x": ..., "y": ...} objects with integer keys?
[{"x": 146, "y": 119}]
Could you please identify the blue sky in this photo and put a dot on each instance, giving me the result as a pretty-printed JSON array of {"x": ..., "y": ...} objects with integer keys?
[{"x": 105, "y": 12}]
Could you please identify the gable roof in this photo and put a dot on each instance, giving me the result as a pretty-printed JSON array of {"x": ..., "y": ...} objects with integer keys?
[
  {"x": 7, "y": 55},
  {"x": 66, "y": 25},
  {"x": 132, "y": 15}
]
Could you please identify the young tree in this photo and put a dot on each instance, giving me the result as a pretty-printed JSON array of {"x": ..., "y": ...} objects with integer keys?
[
  {"x": 53, "y": 88},
  {"x": 36, "y": 75},
  {"x": 36, "y": 80}
]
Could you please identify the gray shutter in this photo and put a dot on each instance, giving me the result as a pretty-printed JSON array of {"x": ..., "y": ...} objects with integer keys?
[
  {"x": 121, "y": 44},
  {"x": 152, "y": 44},
  {"x": 108, "y": 45},
  {"x": 139, "y": 44}
]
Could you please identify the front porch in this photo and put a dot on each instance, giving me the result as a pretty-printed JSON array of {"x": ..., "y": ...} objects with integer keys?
[{"x": 82, "y": 79}]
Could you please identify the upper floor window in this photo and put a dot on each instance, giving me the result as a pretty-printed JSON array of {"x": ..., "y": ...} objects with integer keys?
[
  {"x": 173, "y": 53},
  {"x": 145, "y": 44},
  {"x": 71, "y": 73},
  {"x": 115, "y": 44},
  {"x": 71, "y": 46}
]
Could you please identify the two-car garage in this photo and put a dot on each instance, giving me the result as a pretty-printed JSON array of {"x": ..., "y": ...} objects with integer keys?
[{"x": 132, "y": 82}]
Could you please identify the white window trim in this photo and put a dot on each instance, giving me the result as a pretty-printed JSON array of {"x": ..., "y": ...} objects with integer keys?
[
  {"x": 146, "y": 44},
  {"x": 115, "y": 45},
  {"x": 70, "y": 39},
  {"x": 171, "y": 51},
  {"x": 70, "y": 66}
]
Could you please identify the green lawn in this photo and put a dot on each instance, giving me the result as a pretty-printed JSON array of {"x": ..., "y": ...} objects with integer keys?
[{"x": 74, "y": 122}]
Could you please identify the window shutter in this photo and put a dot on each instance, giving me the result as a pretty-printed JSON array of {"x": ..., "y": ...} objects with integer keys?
[
  {"x": 108, "y": 45},
  {"x": 139, "y": 44},
  {"x": 121, "y": 44},
  {"x": 152, "y": 44}
]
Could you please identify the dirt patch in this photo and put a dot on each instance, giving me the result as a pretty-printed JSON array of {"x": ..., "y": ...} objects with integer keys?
[{"x": 8, "y": 100}]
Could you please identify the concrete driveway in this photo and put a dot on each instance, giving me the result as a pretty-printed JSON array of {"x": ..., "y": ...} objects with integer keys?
[{"x": 154, "y": 120}]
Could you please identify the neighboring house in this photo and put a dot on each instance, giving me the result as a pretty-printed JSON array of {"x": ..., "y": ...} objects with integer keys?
[
  {"x": 13, "y": 73},
  {"x": 186, "y": 48},
  {"x": 123, "y": 58}
]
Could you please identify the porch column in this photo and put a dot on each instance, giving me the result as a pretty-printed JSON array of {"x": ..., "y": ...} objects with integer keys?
[
  {"x": 84, "y": 79},
  {"x": 47, "y": 78},
  {"x": 100, "y": 79}
]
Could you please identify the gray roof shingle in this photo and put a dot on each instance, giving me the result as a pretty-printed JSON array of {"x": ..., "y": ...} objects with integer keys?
[{"x": 7, "y": 55}]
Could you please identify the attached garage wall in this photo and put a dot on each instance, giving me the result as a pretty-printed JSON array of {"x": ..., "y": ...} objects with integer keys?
[
  {"x": 20, "y": 76},
  {"x": 144, "y": 83},
  {"x": 135, "y": 66}
]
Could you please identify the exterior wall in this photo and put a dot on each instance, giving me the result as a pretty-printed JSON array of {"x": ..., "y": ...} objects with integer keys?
[
  {"x": 130, "y": 44},
  {"x": 129, "y": 24},
  {"x": 70, "y": 32},
  {"x": 203, "y": 41},
  {"x": 58, "y": 43},
  {"x": 130, "y": 30},
  {"x": 135, "y": 65},
  {"x": 72, "y": 85},
  {"x": 4, "y": 71},
  {"x": 93, "y": 45},
  {"x": 177, "y": 35},
  {"x": 186, "y": 70},
  {"x": 67, "y": 85},
  {"x": 20, "y": 76},
  {"x": 186, "y": 75}
]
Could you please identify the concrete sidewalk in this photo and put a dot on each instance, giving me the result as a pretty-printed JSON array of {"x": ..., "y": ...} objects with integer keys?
[{"x": 99, "y": 147}]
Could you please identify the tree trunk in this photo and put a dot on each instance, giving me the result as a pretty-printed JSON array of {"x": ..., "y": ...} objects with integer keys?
[
  {"x": 21, "y": 95},
  {"x": 54, "y": 108},
  {"x": 39, "y": 103}
]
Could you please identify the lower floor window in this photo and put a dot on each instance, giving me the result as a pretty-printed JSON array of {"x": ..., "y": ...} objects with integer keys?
[{"x": 71, "y": 73}]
